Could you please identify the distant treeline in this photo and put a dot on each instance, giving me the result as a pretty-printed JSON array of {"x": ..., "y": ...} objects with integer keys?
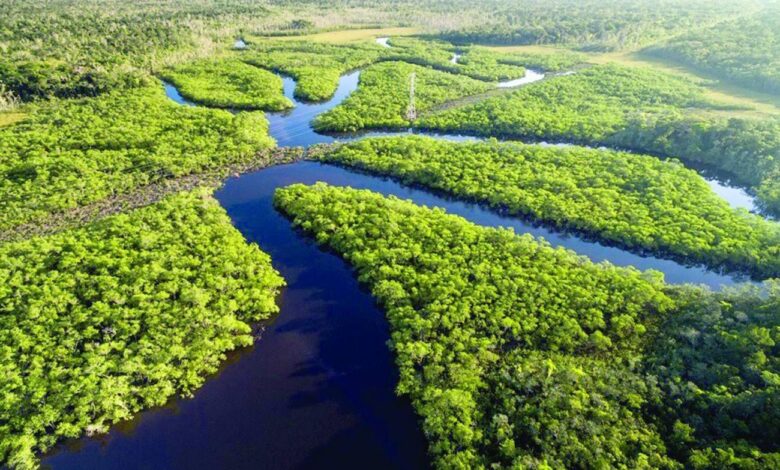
[{"x": 745, "y": 51}]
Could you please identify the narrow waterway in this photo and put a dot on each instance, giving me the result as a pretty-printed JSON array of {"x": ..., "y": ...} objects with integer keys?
[
  {"x": 317, "y": 390},
  {"x": 529, "y": 77},
  {"x": 173, "y": 93}
]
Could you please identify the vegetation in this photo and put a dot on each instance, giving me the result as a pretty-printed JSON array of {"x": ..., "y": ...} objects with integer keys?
[
  {"x": 6, "y": 119},
  {"x": 515, "y": 354},
  {"x": 592, "y": 24},
  {"x": 460, "y": 297},
  {"x": 718, "y": 365},
  {"x": 745, "y": 50},
  {"x": 518, "y": 355},
  {"x": 549, "y": 60},
  {"x": 590, "y": 105},
  {"x": 229, "y": 83},
  {"x": 315, "y": 67},
  {"x": 104, "y": 321},
  {"x": 70, "y": 153},
  {"x": 634, "y": 109},
  {"x": 73, "y": 48},
  {"x": 479, "y": 63},
  {"x": 383, "y": 97},
  {"x": 637, "y": 201},
  {"x": 475, "y": 59},
  {"x": 745, "y": 148}
]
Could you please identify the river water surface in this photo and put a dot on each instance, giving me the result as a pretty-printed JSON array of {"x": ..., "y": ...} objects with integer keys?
[{"x": 317, "y": 390}]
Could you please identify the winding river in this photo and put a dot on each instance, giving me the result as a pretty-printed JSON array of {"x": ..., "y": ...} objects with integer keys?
[{"x": 317, "y": 390}]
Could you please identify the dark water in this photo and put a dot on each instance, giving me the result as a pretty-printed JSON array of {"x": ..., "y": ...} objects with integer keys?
[{"x": 317, "y": 390}]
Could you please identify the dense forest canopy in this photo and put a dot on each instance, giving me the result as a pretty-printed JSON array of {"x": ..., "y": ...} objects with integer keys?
[
  {"x": 637, "y": 201},
  {"x": 518, "y": 355},
  {"x": 745, "y": 50},
  {"x": 635, "y": 109},
  {"x": 315, "y": 67},
  {"x": 71, "y": 48},
  {"x": 382, "y": 100},
  {"x": 118, "y": 316},
  {"x": 515, "y": 354},
  {"x": 594, "y": 24},
  {"x": 71, "y": 153},
  {"x": 228, "y": 83}
]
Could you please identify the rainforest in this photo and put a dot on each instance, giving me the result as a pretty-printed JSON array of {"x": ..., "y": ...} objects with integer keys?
[{"x": 293, "y": 234}]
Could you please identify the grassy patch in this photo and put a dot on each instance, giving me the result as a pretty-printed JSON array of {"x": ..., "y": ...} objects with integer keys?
[
  {"x": 745, "y": 102},
  {"x": 7, "y": 119}
]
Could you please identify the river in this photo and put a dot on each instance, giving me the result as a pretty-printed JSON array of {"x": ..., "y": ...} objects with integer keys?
[{"x": 317, "y": 390}]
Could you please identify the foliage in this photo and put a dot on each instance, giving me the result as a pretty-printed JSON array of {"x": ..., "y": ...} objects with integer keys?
[
  {"x": 486, "y": 65},
  {"x": 637, "y": 201},
  {"x": 592, "y": 24},
  {"x": 558, "y": 60},
  {"x": 745, "y": 50},
  {"x": 382, "y": 98},
  {"x": 101, "y": 322},
  {"x": 630, "y": 108},
  {"x": 517, "y": 355},
  {"x": 229, "y": 83},
  {"x": 70, "y": 153},
  {"x": 478, "y": 63},
  {"x": 507, "y": 65},
  {"x": 69, "y": 51},
  {"x": 587, "y": 106},
  {"x": 471, "y": 307},
  {"x": 315, "y": 67},
  {"x": 718, "y": 364},
  {"x": 72, "y": 48},
  {"x": 745, "y": 148},
  {"x": 436, "y": 54},
  {"x": 481, "y": 63}
]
